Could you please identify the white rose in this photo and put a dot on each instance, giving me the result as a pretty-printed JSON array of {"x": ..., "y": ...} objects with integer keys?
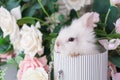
[
  {"x": 35, "y": 74},
  {"x": 62, "y": 8},
  {"x": 31, "y": 40},
  {"x": 16, "y": 12},
  {"x": 7, "y": 22},
  {"x": 76, "y": 4},
  {"x": 9, "y": 26}
]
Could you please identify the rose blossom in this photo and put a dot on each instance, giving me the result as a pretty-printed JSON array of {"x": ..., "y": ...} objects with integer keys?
[
  {"x": 30, "y": 63},
  {"x": 117, "y": 26},
  {"x": 9, "y": 25},
  {"x": 8, "y": 22},
  {"x": 115, "y": 2},
  {"x": 16, "y": 12},
  {"x": 31, "y": 40},
  {"x": 76, "y": 4},
  {"x": 35, "y": 74},
  {"x": 110, "y": 45}
]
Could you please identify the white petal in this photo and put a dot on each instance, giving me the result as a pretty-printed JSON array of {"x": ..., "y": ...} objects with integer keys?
[
  {"x": 16, "y": 12},
  {"x": 37, "y": 25}
]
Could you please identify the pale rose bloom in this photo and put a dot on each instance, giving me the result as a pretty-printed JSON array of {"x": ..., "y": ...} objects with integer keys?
[
  {"x": 8, "y": 23},
  {"x": 32, "y": 63},
  {"x": 31, "y": 40},
  {"x": 16, "y": 12},
  {"x": 76, "y": 4},
  {"x": 117, "y": 26},
  {"x": 9, "y": 26},
  {"x": 115, "y": 2},
  {"x": 35, "y": 74},
  {"x": 62, "y": 8},
  {"x": 110, "y": 45}
]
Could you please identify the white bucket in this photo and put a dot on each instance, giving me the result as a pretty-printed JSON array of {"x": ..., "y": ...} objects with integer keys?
[{"x": 86, "y": 67}]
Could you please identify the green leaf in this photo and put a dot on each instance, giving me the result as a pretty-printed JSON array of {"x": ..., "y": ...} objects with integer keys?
[
  {"x": 57, "y": 28},
  {"x": 18, "y": 59},
  {"x": 100, "y": 33},
  {"x": 51, "y": 6},
  {"x": 5, "y": 45},
  {"x": 73, "y": 14},
  {"x": 11, "y": 61},
  {"x": 26, "y": 0},
  {"x": 12, "y": 4},
  {"x": 112, "y": 19},
  {"x": 115, "y": 60},
  {"x": 102, "y": 6},
  {"x": 61, "y": 18},
  {"x": 31, "y": 10},
  {"x": 114, "y": 36},
  {"x": 28, "y": 20},
  {"x": 1, "y": 33},
  {"x": 32, "y": 7}
]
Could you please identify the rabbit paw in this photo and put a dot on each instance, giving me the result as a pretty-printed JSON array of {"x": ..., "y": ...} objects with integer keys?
[{"x": 74, "y": 54}]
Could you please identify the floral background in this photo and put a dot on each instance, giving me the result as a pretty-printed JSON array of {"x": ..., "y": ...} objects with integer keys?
[{"x": 28, "y": 29}]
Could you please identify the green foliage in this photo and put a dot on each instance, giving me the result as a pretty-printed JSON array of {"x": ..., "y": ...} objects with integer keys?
[
  {"x": 2, "y": 73},
  {"x": 5, "y": 45},
  {"x": 12, "y": 4},
  {"x": 106, "y": 27},
  {"x": 115, "y": 60},
  {"x": 38, "y": 10}
]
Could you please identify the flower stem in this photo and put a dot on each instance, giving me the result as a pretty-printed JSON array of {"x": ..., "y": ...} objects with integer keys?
[
  {"x": 40, "y": 2},
  {"x": 106, "y": 18},
  {"x": 77, "y": 14}
]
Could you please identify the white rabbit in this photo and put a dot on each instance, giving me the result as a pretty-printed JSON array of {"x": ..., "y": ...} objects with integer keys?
[{"x": 78, "y": 38}]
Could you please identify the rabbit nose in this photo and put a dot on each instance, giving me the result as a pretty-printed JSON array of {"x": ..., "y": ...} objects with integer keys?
[{"x": 57, "y": 44}]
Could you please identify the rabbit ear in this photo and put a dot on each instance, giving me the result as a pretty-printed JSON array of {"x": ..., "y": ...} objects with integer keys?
[{"x": 89, "y": 19}]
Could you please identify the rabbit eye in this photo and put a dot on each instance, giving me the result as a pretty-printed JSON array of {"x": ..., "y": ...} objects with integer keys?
[{"x": 71, "y": 39}]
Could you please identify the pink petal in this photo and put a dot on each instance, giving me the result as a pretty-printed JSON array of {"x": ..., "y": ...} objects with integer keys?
[
  {"x": 117, "y": 26},
  {"x": 117, "y": 76},
  {"x": 43, "y": 60},
  {"x": 113, "y": 44},
  {"x": 104, "y": 43}
]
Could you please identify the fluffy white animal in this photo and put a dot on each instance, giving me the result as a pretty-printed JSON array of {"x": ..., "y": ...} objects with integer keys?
[{"x": 78, "y": 38}]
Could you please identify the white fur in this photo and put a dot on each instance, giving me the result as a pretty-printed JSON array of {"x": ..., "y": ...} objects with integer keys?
[{"x": 84, "y": 39}]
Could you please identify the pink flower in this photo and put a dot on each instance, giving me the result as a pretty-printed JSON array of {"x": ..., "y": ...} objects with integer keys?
[
  {"x": 110, "y": 45},
  {"x": 113, "y": 72},
  {"x": 6, "y": 56},
  {"x": 112, "y": 68},
  {"x": 116, "y": 76},
  {"x": 117, "y": 26},
  {"x": 115, "y": 2},
  {"x": 28, "y": 63}
]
